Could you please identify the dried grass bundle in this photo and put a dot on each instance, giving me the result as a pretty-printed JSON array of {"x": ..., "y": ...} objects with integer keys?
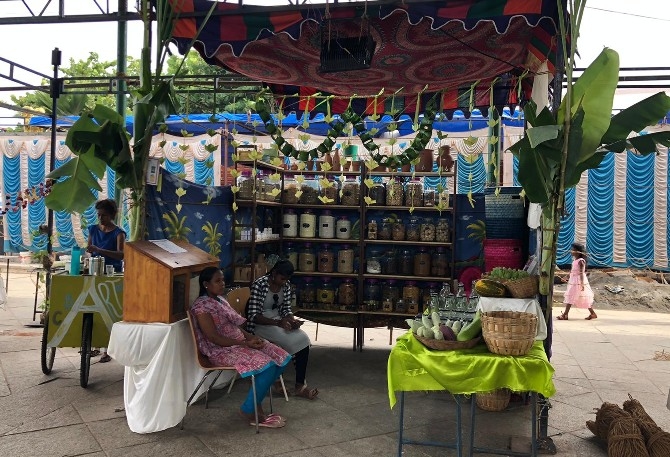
[
  {"x": 625, "y": 439},
  {"x": 636, "y": 410},
  {"x": 605, "y": 415}
]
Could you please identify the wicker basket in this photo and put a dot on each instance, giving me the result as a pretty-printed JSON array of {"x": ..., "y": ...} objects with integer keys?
[
  {"x": 493, "y": 401},
  {"x": 522, "y": 288},
  {"x": 442, "y": 345},
  {"x": 509, "y": 332}
]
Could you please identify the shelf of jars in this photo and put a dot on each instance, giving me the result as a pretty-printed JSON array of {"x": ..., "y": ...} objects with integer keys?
[
  {"x": 408, "y": 174},
  {"x": 328, "y": 275},
  {"x": 259, "y": 164},
  {"x": 410, "y": 208},
  {"x": 407, "y": 243},
  {"x": 407, "y": 278},
  {"x": 290, "y": 239},
  {"x": 242, "y": 203},
  {"x": 326, "y": 206}
]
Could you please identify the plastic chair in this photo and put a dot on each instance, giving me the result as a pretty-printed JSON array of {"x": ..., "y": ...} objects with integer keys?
[
  {"x": 238, "y": 298},
  {"x": 205, "y": 364}
]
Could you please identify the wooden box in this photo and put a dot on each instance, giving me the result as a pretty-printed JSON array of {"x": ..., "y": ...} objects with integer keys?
[{"x": 157, "y": 283}]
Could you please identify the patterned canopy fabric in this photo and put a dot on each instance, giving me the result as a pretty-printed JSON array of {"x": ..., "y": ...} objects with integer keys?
[{"x": 433, "y": 46}]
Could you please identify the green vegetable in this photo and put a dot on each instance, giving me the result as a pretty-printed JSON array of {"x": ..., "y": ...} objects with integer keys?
[{"x": 471, "y": 330}]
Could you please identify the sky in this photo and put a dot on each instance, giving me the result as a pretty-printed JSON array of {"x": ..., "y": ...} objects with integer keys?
[{"x": 637, "y": 30}]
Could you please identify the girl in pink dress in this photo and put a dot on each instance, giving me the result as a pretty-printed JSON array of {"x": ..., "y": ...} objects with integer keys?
[
  {"x": 220, "y": 337},
  {"x": 579, "y": 291}
]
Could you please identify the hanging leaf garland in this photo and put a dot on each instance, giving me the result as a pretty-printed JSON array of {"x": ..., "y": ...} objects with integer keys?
[{"x": 336, "y": 130}]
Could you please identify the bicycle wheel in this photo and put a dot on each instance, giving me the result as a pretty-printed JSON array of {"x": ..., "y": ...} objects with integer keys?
[
  {"x": 86, "y": 336},
  {"x": 47, "y": 353}
]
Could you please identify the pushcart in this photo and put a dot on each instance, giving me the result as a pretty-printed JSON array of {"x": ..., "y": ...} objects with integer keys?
[{"x": 81, "y": 311}]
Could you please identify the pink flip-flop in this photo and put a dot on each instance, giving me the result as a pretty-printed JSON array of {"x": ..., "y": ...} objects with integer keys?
[{"x": 272, "y": 421}]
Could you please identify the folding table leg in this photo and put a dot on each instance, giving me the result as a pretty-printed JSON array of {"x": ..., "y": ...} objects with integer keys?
[{"x": 402, "y": 420}]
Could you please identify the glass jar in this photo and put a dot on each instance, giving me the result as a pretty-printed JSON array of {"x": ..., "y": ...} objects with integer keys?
[
  {"x": 442, "y": 231},
  {"x": 414, "y": 193},
  {"x": 291, "y": 255},
  {"x": 325, "y": 259},
  {"x": 328, "y": 194},
  {"x": 373, "y": 262},
  {"x": 326, "y": 225},
  {"x": 431, "y": 289},
  {"x": 290, "y": 220},
  {"x": 443, "y": 198},
  {"x": 372, "y": 295},
  {"x": 343, "y": 228},
  {"x": 246, "y": 185},
  {"x": 290, "y": 188},
  {"x": 307, "y": 294},
  {"x": 389, "y": 264},
  {"x": 413, "y": 231},
  {"x": 394, "y": 193},
  {"x": 310, "y": 191},
  {"x": 411, "y": 294},
  {"x": 385, "y": 229},
  {"x": 390, "y": 290},
  {"x": 307, "y": 259},
  {"x": 346, "y": 294},
  {"x": 325, "y": 294},
  {"x": 372, "y": 230},
  {"x": 422, "y": 263},
  {"x": 427, "y": 230},
  {"x": 307, "y": 224},
  {"x": 260, "y": 185},
  {"x": 345, "y": 259},
  {"x": 351, "y": 193},
  {"x": 429, "y": 197},
  {"x": 406, "y": 263},
  {"x": 439, "y": 266},
  {"x": 378, "y": 194},
  {"x": 398, "y": 231},
  {"x": 271, "y": 187}
]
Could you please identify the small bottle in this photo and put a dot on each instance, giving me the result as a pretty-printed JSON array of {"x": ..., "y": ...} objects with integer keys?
[{"x": 445, "y": 296}]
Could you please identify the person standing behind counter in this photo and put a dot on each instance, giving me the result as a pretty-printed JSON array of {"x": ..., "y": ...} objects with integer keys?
[
  {"x": 269, "y": 316},
  {"x": 106, "y": 239}
]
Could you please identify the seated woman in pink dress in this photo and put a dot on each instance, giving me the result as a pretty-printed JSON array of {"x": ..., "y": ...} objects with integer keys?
[{"x": 220, "y": 337}]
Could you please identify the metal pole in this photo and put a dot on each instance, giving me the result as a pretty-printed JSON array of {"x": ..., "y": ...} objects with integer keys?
[{"x": 121, "y": 68}]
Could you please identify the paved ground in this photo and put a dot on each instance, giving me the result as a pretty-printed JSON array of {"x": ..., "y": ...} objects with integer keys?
[{"x": 595, "y": 361}]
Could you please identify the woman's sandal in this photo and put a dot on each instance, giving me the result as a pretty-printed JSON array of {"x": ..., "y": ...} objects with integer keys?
[
  {"x": 105, "y": 358},
  {"x": 271, "y": 421},
  {"x": 591, "y": 316},
  {"x": 307, "y": 393},
  {"x": 562, "y": 317}
]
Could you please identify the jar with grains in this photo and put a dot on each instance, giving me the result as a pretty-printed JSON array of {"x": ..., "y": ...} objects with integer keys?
[
  {"x": 343, "y": 228},
  {"x": 329, "y": 193},
  {"x": 413, "y": 230},
  {"x": 326, "y": 225},
  {"x": 260, "y": 185},
  {"x": 394, "y": 193},
  {"x": 307, "y": 224},
  {"x": 326, "y": 259},
  {"x": 443, "y": 198},
  {"x": 290, "y": 220},
  {"x": 429, "y": 197},
  {"x": 406, "y": 262},
  {"x": 351, "y": 193},
  {"x": 427, "y": 230},
  {"x": 384, "y": 232},
  {"x": 271, "y": 188},
  {"x": 345, "y": 259},
  {"x": 398, "y": 231},
  {"x": 346, "y": 295},
  {"x": 372, "y": 230},
  {"x": 432, "y": 288},
  {"x": 325, "y": 294},
  {"x": 372, "y": 295},
  {"x": 288, "y": 194},
  {"x": 310, "y": 191},
  {"x": 378, "y": 194},
  {"x": 389, "y": 263},
  {"x": 390, "y": 291},
  {"x": 439, "y": 266},
  {"x": 246, "y": 185},
  {"x": 306, "y": 259},
  {"x": 422, "y": 263},
  {"x": 373, "y": 262},
  {"x": 411, "y": 293},
  {"x": 442, "y": 231},
  {"x": 307, "y": 294},
  {"x": 414, "y": 193},
  {"x": 291, "y": 255}
]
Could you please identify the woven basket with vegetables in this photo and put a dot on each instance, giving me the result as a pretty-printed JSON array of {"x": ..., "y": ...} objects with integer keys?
[{"x": 519, "y": 283}]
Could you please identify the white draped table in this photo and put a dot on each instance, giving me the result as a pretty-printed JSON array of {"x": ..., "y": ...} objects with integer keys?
[{"x": 161, "y": 372}]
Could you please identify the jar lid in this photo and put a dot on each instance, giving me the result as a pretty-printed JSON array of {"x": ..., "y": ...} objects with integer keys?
[
  {"x": 326, "y": 212},
  {"x": 308, "y": 279},
  {"x": 410, "y": 283},
  {"x": 344, "y": 218},
  {"x": 391, "y": 282},
  {"x": 372, "y": 281}
]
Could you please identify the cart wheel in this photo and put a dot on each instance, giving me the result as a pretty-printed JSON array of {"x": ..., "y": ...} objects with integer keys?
[
  {"x": 86, "y": 336},
  {"x": 48, "y": 353}
]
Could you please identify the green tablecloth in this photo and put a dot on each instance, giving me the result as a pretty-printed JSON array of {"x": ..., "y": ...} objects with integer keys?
[{"x": 413, "y": 367}]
